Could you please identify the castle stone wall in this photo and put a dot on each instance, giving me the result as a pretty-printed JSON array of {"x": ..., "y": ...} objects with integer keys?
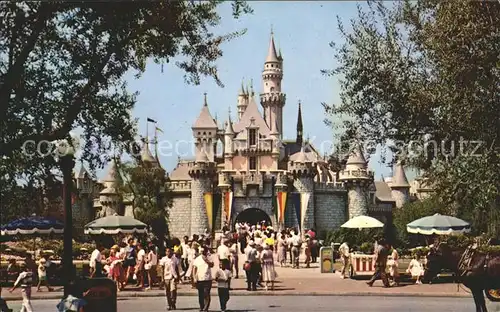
[
  {"x": 263, "y": 203},
  {"x": 179, "y": 216},
  {"x": 357, "y": 200},
  {"x": 401, "y": 196},
  {"x": 199, "y": 220},
  {"x": 331, "y": 210}
]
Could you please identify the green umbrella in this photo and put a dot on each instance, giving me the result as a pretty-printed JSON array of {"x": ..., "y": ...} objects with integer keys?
[
  {"x": 113, "y": 225},
  {"x": 438, "y": 224}
]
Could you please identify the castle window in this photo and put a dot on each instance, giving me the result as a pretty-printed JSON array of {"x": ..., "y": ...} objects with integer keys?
[
  {"x": 252, "y": 137},
  {"x": 253, "y": 163},
  {"x": 272, "y": 89},
  {"x": 272, "y": 65}
]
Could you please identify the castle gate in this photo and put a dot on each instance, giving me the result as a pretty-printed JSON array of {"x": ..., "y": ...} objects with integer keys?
[{"x": 253, "y": 216}]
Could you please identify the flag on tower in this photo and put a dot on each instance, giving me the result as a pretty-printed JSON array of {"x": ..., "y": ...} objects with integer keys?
[
  {"x": 151, "y": 120},
  {"x": 159, "y": 130}
]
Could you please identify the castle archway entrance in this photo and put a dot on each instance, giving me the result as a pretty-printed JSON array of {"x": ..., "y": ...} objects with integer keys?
[{"x": 253, "y": 216}]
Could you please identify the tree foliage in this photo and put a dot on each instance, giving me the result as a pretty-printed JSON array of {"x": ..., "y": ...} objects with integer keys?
[
  {"x": 151, "y": 198},
  {"x": 422, "y": 76},
  {"x": 62, "y": 66}
]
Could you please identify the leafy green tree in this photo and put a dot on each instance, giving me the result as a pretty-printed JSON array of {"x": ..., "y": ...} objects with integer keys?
[
  {"x": 422, "y": 76},
  {"x": 411, "y": 212},
  {"x": 151, "y": 197},
  {"x": 62, "y": 67}
]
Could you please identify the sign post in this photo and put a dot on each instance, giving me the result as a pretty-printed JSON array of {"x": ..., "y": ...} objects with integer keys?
[{"x": 327, "y": 260}]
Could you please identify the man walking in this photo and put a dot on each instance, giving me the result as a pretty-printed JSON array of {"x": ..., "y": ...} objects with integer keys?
[
  {"x": 202, "y": 273},
  {"x": 381, "y": 254},
  {"x": 253, "y": 267},
  {"x": 171, "y": 278},
  {"x": 296, "y": 242},
  {"x": 344, "y": 255},
  {"x": 25, "y": 281}
]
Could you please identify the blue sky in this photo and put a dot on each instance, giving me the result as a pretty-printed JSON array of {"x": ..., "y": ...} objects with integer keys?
[{"x": 303, "y": 31}]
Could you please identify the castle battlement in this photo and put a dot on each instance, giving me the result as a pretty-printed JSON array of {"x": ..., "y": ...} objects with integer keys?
[
  {"x": 359, "y": 174},
  {"x": 179, "y": 186},
  {"x": 329, "y": 187},
  {"x": 277, "y": 97}
]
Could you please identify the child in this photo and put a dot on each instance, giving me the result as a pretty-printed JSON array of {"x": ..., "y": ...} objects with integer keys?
[
  {"x": 42, "y": 275},
  {"x": 416, "y": 270},
  {"x": 223, "y": 278}
]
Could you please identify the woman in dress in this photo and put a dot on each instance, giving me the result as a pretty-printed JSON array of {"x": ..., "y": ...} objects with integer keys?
[
  {"x": 234, "y": 257},
  {"x": 307, "y": 250},
  {"x": 115, "y": 267},
  {"x": 151, "y": 263},
  {"x": 394, "y": 266},
  {"x": 282, "y": 244},
  {"x": 193, "y": 254},
  {"x": 267, "y": 262},
  {"x": 416, "y": 269}
]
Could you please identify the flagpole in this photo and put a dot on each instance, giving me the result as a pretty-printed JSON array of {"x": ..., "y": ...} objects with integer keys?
[
  {"x": 156, "y": 142},
  {"x": 147, "y": 132}
]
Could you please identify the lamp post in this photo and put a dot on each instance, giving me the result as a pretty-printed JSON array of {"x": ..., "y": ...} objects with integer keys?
[{"x": 66, "y": 154}]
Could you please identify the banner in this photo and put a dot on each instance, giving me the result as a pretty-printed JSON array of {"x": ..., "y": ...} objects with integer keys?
[
  {"x": 209, "y": 205},
  {"x": 296, "y": 204},
  {"x": 281, "y": 199},
  {"x": 217, "y": 202},
  {"x": 228, "y": 205},
  {"x": 304, "y": 202}
]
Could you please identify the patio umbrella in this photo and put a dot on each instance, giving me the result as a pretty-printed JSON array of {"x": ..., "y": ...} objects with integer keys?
[
  {"x": 362, "y": 222},
  {"x": 33, "y": 226},
  {"x": 113, "y": 225},
  {"x": 438, "y": 224}
]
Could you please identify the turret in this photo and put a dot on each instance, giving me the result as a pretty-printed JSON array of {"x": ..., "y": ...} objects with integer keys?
[
  {"x": 303, "y": 171},
  {"x": 229, "y": 144},
  {"x": 110, "y": 197},
  {"x": 83, "y": 212},
  {"x": 205, "y": 132},
  {"x": 357, "y": 179},
  {"x": 272, "y": 99},
  {"x": 400, "y": 188},
  {"x": 242, "y": 101},
  {"x": 300, "y": 129},
  {"x": 146, "y": 156}
]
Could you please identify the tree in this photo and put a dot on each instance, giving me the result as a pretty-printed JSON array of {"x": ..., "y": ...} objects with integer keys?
[
  {"x": 62, "y": 67},
  {"x": 151, "y": 197},
  {"x": 413, "y": 211},
  {"x": 422, "y": 76}
]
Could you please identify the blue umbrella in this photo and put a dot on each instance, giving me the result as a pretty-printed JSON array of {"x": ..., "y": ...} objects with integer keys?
[
  {"x": 438, "y": 224},
  {"x": 33, "y": 226}
]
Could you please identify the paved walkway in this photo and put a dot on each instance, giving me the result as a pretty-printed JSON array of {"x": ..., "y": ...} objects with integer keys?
[{"x": 303, "y": 281}]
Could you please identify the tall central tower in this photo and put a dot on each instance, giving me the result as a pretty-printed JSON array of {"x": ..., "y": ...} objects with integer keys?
[{"x": 272, "y": 99}]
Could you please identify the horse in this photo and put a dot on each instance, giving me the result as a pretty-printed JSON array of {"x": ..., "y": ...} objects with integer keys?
[{"x": 476, "y": 270}]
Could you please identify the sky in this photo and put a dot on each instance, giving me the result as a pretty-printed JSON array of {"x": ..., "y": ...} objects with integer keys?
[{"x": 303, "y": 31}]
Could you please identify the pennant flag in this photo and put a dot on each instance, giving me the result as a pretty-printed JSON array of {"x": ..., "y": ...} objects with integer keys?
[
  {"x": 281, "y": 199},
  {"x": 296, "y": 203},
  {"x": 304, "y": 202},
  {"x": 228, "y": 205},
  {"x": 217, "y": 201},
  {"x": 151, "y": 120},
  {"x": 159, "y": 130},
  {"x": 209, "y": 206}
]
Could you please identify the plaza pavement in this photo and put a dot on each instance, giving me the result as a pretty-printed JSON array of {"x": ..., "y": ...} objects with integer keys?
[{"x": 291, "y": 282}]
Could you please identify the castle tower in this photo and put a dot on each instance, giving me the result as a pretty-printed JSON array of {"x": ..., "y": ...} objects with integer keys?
[
  {"x": 85, "y": 212},
  {"x": 300, "y": 129},
  {"x": 242, "y": 101},
  {"x": 357, "y": 179},
  {"x": 400, "y": 188},
  {"x": 228, "y": 144},
  {"x": 303, "y": 171},
  {"x": 110, "y": 197},
  {"x": 202, "y": 173},
  {"x": 146, "y": 156},
  {"x": 205, "y": 133},
  {"x": 275, "y": 152},
  {"x": 272, "y": 99}
]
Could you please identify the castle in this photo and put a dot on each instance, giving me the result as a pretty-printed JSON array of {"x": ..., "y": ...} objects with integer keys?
[{"x": 256, "y": 164}]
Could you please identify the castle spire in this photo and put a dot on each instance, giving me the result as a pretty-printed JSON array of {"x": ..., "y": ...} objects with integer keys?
[
  {"x": 242, "y": 90},
  {"x": 272, "y": 56},
  {"x": 300, "y": 129},
  {"x": 205, "y": 102}
]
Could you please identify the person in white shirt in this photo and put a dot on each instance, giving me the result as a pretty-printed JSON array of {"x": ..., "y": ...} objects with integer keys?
[
  {"x": 151, "y": 263},
  {"x": 416, "y": 269},
  {"x": 223, "y": 251},
  {"x": 185, "y": 255},
  {"x": 344, "y": 255},
  {"x": 25, "y": 280},
  {"x": 223, "y": 278},
  {"x": 96, "y": 262},
  {"x": 171, "y": 276},
  {"x": 141, "y": 262},
  {"x": 202, "y": 274},
  {"x": 296, "y": 242},
  {"x": 42, "y": 275},
  {"x": 234, "y": 258}
]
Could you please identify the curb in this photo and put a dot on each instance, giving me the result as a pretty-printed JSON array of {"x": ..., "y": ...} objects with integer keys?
[{"x": 127, "y": 296}]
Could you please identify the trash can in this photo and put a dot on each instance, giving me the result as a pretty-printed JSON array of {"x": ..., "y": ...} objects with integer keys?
[
  {"x": 327, "y": 260},
  {"x": 99, "y": 293}
]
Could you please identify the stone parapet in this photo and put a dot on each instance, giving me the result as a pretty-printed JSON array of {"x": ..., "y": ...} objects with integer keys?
[
  {"x": 274, "y": 97},
  {"x": 329, "y": 187},
  {"x": 179, "y": 186},
  {"x": 359, "y": 174}
]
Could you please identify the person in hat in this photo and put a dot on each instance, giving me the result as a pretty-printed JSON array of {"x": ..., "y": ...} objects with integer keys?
[{"x": 42, "y": 275}]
